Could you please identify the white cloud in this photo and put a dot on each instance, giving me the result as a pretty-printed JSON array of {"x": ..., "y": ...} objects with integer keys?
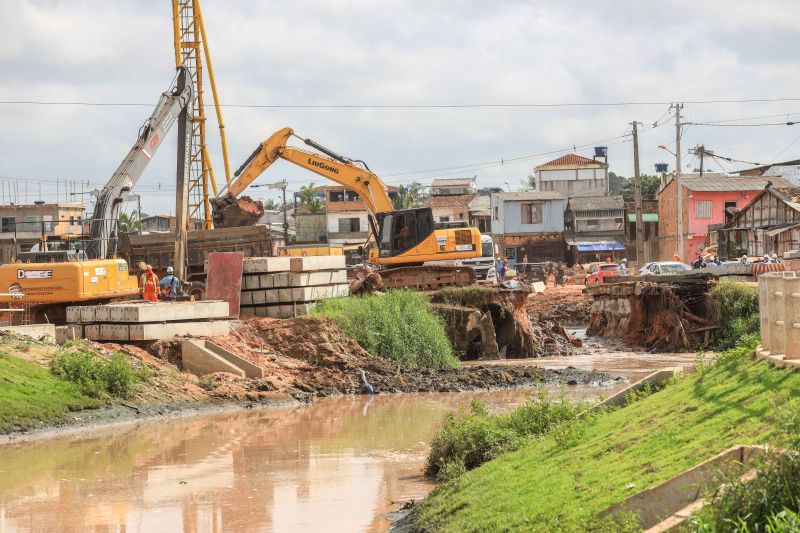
[{"x": 393, "y": 52}]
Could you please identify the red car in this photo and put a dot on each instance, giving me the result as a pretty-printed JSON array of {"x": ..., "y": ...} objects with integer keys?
[{"x": 597, "y": 273}]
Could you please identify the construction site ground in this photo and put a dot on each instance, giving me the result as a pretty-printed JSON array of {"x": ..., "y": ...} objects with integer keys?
[{"x": 310, "y": 357}]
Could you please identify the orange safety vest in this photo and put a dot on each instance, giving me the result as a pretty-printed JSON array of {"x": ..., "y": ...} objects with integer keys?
[{"x": 149, "y": 283}]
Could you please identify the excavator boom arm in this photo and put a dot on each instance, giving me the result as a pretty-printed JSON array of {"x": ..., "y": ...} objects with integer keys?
[
  {"x": 151, "y": 135},
  {"x": 335, "y": 168}
]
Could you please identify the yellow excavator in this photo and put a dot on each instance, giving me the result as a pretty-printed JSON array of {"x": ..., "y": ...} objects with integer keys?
[
  {"x": 404, "y": 239},
  {"x": 46, "y": 280}
]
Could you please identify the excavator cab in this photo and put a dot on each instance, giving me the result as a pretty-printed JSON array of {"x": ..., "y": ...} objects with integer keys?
[{"x": 402, "y": 230}]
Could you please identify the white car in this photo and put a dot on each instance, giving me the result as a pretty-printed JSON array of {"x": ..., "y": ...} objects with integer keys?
[{"x": 663, "y": 267}]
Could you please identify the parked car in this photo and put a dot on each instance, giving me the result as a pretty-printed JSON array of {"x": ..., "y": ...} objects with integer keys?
[
  {"x": 531, "y": 271},
  {"x": 663, "y": 267},
  {"x": 598, "y": 272}
]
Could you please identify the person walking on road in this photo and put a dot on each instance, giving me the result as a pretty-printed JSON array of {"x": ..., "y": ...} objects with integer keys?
[
  {"x": 169, "y": 285},
  {"x": 561, "y": 275},
  {"x": 500, "y": 269},
  {"x": 149, "y": 285}
]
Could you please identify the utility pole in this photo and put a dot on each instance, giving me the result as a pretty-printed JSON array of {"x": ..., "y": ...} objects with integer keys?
[
  {"x": 678, "y": 190},
  {"x": 637, "y": 197},
  {"x": 183, "y": 172},
  {"x": 702, "y": 150},
  {"x": 282, "y": 185}
]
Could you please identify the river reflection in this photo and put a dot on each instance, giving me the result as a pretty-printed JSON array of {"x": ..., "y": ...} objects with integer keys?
[{"x": 336, "y": 465}]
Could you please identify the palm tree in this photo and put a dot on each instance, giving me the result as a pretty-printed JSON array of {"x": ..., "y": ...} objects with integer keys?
[
  {"x": 408, "y": 197},
  {"x": 129, "y": 222},
  {"x": 309, "y": 199}
]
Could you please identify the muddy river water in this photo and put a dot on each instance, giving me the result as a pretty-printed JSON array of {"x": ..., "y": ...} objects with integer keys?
[{"x": 340, "y": 464}]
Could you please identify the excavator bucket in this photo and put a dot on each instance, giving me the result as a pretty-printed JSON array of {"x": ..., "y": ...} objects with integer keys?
[{"x": 230, "y": 212}]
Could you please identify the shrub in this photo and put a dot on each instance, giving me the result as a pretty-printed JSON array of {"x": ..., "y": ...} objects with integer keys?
[
  {"x": 469, "y": 296},
  {"x": 734, "y": 308},
  {"x": 468, "y": 440},
  {"x": 96, "y": 376},
  {"x": 398, "y": 325}
]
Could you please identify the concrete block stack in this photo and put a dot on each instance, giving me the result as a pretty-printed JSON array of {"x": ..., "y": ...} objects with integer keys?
[
  {"x": 283, "y": 287},
  {"x": 148, "y": 321}
]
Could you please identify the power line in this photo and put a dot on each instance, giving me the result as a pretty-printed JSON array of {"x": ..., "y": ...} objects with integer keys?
[
  {"x": 409, "y": 106},
  {"x": 742, "y": 125}
]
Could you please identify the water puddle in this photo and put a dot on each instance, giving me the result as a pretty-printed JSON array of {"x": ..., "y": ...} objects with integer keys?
[{"x": 336, "y": 465}]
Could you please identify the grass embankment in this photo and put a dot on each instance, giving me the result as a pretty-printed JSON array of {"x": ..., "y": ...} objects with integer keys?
[
  {"x": 553, "y": 483},
  {"x": 398, "y": 325},
  {"x": 80, "y": 378}
]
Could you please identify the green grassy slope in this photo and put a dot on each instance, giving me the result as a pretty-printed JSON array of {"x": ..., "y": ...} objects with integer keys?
[
  {"x": 546, "y": 486},
  {"x": 30, "y": 393}
]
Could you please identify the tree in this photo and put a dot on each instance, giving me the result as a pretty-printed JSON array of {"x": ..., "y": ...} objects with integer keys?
[
  {"x": 310, "y": 200},
  {"x": 129, "y": 222},
  {"x": 408, "y": 197},
  {"x": 271, "y": 204},
  {"x": 616, "y": 183},
  {"x": 529, "y": 183},
  {"x": 650, "y": 186}
]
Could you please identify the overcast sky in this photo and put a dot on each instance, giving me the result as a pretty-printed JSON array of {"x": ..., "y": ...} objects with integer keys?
[{"x": 359, "y": 52}]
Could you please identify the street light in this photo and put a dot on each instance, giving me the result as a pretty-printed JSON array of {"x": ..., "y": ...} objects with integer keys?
[{"x": 664, "y": 147}]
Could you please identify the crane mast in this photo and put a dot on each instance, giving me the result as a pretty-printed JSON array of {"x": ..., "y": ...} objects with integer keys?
[{"x": 191, "y": 51}]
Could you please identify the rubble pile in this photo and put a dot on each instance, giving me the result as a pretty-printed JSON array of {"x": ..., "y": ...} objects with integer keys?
[{"x": 660, "y": 317}]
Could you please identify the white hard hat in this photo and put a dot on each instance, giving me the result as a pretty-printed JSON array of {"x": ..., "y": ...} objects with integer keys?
[
  {"x": 774, "y": 256},
  {"x": 170, "y": 270}
]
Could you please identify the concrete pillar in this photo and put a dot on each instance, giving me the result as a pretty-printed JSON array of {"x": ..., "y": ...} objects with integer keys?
[
  {"x": 777, "y": 313},
  {"x": 792, "y": 302},
  {"x": 764, "y": 287}
]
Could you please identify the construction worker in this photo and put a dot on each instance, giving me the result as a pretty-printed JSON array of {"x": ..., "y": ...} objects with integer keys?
[
  {"x": 169, "y": 285},
  {"x": 149, "y": 285}
]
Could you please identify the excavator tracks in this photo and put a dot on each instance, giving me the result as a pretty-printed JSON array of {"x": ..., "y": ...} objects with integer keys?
[{"x": 427, "y": 277}]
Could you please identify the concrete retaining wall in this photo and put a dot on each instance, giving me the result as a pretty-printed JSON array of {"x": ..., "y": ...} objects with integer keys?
[{"x": 779, "y": 309}]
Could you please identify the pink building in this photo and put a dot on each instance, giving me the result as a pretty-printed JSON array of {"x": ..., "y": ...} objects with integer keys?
[{"x": 712, "y": 199}]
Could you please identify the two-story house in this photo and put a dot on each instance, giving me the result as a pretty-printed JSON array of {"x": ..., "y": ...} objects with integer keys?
[
  {"x": 573, "y": 175},
  {"x": 528, "y": 223},
  {"x": 450, "y": 199},
  {"x": 594, "y": 228},
  {"x": 341, "y": 219},
  {"x": 26, "y": 224},
  {"x": 713, "y": 199}
]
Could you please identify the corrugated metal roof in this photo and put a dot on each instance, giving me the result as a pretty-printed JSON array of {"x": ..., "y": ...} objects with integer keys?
[
  {"x": 448, "y": 182},
  {"x": 586, "y": 203},
  {"x": 570, "y": 159},
  {"x": 479, "y": 203},
  {"x": 730, "y": 183},
  {"x": 528, "y": 195},
  {"x": 453, "y": 200}
]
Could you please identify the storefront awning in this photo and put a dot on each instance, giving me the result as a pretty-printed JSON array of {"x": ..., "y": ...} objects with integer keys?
[{"x": 608, "y": 246}]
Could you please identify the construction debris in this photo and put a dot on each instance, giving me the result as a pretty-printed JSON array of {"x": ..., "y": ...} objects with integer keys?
[
  {"x": 667, "y": 316},
  {"x": 230, "y": 212},
  {"x": 492, "y": 323},
  {"x": 281, "y": 287},
  {"x": 366, "y": 280}
]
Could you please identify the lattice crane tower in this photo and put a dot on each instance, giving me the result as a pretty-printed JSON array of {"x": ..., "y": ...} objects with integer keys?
[{"x": 190, "y": 39}]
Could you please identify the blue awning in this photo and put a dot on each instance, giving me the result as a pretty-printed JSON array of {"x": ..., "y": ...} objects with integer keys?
[{"x": 600, "y": 246}]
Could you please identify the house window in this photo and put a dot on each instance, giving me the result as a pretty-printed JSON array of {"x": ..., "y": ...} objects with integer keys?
[
  {"x": 532, "y": 213},
  {"x": 497, "y": 213},
  {"x": 461, "y": 216},
  {"x": 349, "y": 225},
  {"x": 8, "y": 224},
  {"x": 702, "y": 209},
  {"x": 30, "y": 223},
  {"x": 444, "y": 219},
  {"x": 592, "y": 223},
  {"x": 729, "y": 214}
]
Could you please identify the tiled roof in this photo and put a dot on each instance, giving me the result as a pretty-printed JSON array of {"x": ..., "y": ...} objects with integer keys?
[
  {"x": 454, "y": 200},
  {"x": 570, "y": 159},
  {"x": 792, "y": 192},
  {"x": 529, "y": 195},
  {"x": 730, "y": 183},
  {"x": 586, "y": 203}
]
